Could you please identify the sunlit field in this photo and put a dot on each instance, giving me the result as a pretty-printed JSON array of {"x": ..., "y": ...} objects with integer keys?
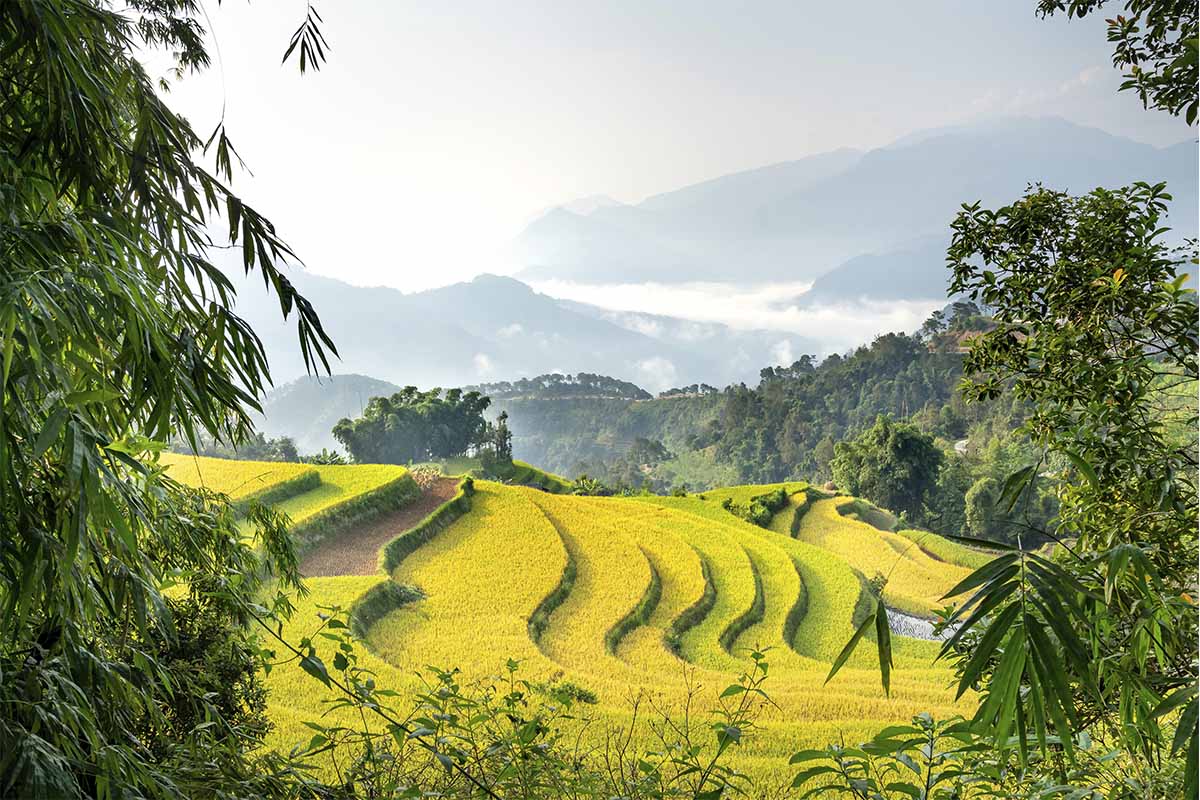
[{"x": 623, "y": 596}]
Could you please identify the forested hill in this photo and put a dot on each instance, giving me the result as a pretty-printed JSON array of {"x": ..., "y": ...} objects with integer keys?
[
  {"x": 558, "y": 386},
  {"x": 783, "y": 428}
]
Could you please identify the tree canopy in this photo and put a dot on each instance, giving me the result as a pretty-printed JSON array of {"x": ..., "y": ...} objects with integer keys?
[
  {"x": 892, "y": 464},
  {"x": 117, "y": 331},
  {"x": 1156, "y": 42},
  {"x": 1092, "y": 317},
  {"x": 412, "y": 425},
  {"x": 1097, "y": 643}
]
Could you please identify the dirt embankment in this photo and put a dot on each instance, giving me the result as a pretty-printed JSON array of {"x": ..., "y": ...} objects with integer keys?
[{"x": 357, "y": 551}]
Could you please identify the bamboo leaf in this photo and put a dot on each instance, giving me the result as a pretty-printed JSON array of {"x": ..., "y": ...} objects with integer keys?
[{"x": 849, "y": 648}]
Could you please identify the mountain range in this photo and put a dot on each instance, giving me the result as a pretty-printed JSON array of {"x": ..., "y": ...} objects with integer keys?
[
  {"x": 801, "y": 220},
  {"x": 869, "y": 229},
  {"x": 496, "y": 327}
]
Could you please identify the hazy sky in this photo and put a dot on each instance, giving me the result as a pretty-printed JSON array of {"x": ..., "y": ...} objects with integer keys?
[{"x": 436, "y": 131}]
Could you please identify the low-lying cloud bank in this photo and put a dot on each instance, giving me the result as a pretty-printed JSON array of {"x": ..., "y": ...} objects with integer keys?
[{"x": 836, "y": 326}]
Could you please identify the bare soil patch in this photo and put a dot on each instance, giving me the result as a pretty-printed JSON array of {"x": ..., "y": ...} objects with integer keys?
[{"x": 357, "y": 551}]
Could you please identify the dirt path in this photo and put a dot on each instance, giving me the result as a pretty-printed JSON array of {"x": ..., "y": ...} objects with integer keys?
[{"x": 357, "y": 551}]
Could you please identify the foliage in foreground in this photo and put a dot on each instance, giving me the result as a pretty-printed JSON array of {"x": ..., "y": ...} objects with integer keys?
[
  {"x": 117, "y": 332},
  {"x": 1101, "y": 640},
  {"x": 1091, "y": 316},
  {"x": 929, "y": 759},
  {"x": 512, "y": 737},
  {"x": 1156, "y": 42}
]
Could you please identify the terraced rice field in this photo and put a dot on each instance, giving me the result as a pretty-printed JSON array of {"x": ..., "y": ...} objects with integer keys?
[
  {"x": 625, "y": 595},
  {"x": 915, "y": 580},
  {"x": 332, "y": 486},
  {"x": 238, "y": 479},
  {"x": 339, "y": 484}
]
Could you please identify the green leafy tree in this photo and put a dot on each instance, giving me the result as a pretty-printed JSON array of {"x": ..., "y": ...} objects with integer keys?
[
  {"x": 1156, "y": 42},
  {"x": 1092, "y": 317},
  {"x": 979, "y": 513},
  {"x": 1097, "y": 645},
  {"x": 495, "y": 449},
  {"x": 823, "y": 455},
  {"x": 412, "y": 425},
  {"x": 117, "y": 332},
  {"x": 891, "y": 464}
]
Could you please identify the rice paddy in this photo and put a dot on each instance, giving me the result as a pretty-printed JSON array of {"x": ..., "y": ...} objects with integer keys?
[
  {"x": 315, "y": 488},
  {"x": 237, "y": 479},
  {"x": 649, "y": 594}
]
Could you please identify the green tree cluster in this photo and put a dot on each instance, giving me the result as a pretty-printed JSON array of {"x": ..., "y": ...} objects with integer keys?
[
  {"x": 117, "y": 333},
  {"x": 892, "y": 464},
  {"x": 255, "y": 447},
  {"x": 584, "y": 384},
  {"x": 495, "y": 447},
  {"x": 413, "y": 426}
]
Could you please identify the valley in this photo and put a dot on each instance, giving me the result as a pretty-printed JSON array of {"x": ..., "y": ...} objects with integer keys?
[
  {"x": 619, "y": 598},
  {"x": 599, "y": 401}
]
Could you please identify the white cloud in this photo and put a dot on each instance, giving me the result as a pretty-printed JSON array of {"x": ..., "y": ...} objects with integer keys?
[
  {"x": 736, "y": 305},
  {"x": 782, "y": 354},
  {"x": 657, "y": 373},
  {"x": 638, "y": 324},
  {"x": 835, "y": 327},
  {"x": 483, "y": 365},
  {"x": 1041, "y": 99},
  {"x": 509, "y": 331}
]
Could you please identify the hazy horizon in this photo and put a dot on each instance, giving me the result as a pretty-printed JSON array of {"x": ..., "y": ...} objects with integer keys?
[{"x": 448, "y": 133}]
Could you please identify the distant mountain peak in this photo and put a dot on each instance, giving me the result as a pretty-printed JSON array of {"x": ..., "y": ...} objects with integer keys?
[
  {"x": 578, "y": 209},
  {"x": 583, "y": 206},
  {"x": 798, "y": 220},
  {"x": 492, "y": 279}
]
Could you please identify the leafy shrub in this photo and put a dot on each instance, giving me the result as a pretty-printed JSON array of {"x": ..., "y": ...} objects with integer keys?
[
  {"x": 573, "y": 692},
  {"x": 760, "y": 509},
  {"x": 379, "y": 601},
  {"x": 587, "y": 486}
]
